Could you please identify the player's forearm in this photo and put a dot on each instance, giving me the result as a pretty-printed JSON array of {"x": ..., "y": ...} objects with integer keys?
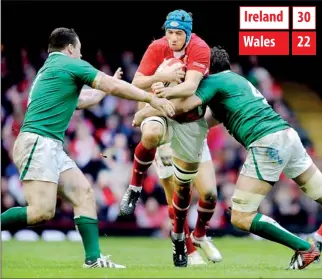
[
  {"x": 141, "y": 105},
  {"x": 212, "y": 122},
  {"x": 149, "y": 111},
  {"x": 187, "y": 104},
  {"x": 145, "y": 82},
  {"x": 182, "y": 106},
  {"x": 89, "y": 98},
  {"x": 124, "y": 90},
  {"x": 183, "y": 90}
]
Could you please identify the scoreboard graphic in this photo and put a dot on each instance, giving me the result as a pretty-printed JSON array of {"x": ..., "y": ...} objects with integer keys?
[{"x": 277, "y": 30}]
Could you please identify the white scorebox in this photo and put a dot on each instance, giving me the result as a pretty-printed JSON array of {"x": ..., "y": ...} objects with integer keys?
[
  {"x": 304, "y": 18},
  {"x": 260, "y": 18}
]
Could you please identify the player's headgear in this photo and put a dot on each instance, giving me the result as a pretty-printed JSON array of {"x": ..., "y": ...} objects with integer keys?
[{"x": 180, "y": 19}]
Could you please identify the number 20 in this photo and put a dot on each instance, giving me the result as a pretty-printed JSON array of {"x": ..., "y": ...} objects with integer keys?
[{"x": 307, "y": 41}]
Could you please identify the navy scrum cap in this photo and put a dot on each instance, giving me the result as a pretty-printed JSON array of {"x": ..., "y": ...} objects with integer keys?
[{"x": 179, "y": 19}]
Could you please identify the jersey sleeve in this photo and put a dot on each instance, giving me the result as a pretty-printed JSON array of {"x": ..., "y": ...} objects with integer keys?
[
  {"x": 206, "y": 91},
  {"x": 199, "y": 59},
  {"x": 150, "y": 61},
  {"x": 83, "y": 71}
]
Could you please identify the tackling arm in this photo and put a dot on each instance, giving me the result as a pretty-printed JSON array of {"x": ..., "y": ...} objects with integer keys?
[
  {"x": 125, "y": 90},
  {"x": 120, "y": 88},
  {"x": 212, "y": 122},
  {"x": 89, "y": 98},
  {"x": 145, "y": 82},
  {"x": 188, "y": 87},
  {"x": 181, "y": 107}
]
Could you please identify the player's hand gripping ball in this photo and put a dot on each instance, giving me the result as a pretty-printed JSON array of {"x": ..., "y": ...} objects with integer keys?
[{"x": 172, "y": 71}]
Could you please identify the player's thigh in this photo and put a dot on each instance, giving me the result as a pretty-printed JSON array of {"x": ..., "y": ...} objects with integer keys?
[
  {"x": 155, "y": 129},
  {"x": 36, "y": 157},
  {"x": 73, "y": 185},
  {"x": 205, "y": 180},
  {"x": 75, "y": 188},
  {"x": 41, "y": 196},
  {"x": 188, "y": 140},
  {"x": 267, "y": 157},
  {"x": 300, "y": 167}
]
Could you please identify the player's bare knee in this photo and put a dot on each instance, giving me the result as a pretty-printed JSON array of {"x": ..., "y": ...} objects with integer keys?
[
  {"x": 183, "y": 191},
  {"x": 86, "y": 197},
  {"x": 41, "y": 213},
  {"x": 152, "y": 134},
  {"x": 210, "y": 196},
  {"x": 48, "y": 214}
]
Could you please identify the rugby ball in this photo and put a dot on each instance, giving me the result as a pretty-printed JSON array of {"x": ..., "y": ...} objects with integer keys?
[{"x": 172, "y": 62}]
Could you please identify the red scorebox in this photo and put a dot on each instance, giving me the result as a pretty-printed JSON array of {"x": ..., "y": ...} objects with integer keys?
[
  {"x": 304, "y": 43},
  {"x": 263, "y": 43}
]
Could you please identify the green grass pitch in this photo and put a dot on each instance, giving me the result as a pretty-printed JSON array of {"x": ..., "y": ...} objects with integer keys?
[{"x": 149, "y": 258}]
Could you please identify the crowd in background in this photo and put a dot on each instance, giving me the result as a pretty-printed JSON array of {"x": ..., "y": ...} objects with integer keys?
[{"x": 106, "y": 129}]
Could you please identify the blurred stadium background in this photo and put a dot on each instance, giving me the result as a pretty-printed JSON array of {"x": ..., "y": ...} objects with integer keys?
[{"x": 116, "y": 34}]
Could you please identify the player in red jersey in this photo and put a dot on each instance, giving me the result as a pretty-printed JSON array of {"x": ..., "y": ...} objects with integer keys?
[{"x": 187, "y": 140}]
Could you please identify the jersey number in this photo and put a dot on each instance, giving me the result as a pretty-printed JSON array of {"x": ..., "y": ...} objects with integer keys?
[
  {"x": 256, "y": 93},
  {"x": 32, "y": 88}
]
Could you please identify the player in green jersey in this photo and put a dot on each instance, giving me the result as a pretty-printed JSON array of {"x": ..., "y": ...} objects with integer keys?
[
  {"x": 45, "y": 169},
  {"x": 273, "y": 147}
]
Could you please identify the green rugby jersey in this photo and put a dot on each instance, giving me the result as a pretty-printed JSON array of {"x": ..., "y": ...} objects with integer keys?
[
  {"x": 241, "y": 108},
  {"x": 54, "y": 95}
]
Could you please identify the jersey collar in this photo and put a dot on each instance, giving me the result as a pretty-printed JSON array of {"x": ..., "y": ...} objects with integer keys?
[{"x": 56, "y": 52}]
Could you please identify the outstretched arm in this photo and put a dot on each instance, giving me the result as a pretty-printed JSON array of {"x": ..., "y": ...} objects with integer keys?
[
  {"x": 125, "y": 90},
  {"x": 89, "y": 98},
  {"x": 183, "y": 106},
  {"x": 116, "y": 87}
]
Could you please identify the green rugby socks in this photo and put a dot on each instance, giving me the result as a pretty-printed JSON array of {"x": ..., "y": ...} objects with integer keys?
[
  {"x": 88, "y": 229},
  {"x": 268, "y": 228},
  {"x": 14, "y": 218}
]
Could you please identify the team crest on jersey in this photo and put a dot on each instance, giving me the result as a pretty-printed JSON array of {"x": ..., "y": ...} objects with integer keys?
[{"x": 174, "y": 24}]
